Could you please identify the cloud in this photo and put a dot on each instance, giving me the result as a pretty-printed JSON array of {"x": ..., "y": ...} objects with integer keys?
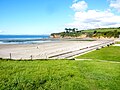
[
  {"x": 92, "y": 15},
  {"x": 115, "y": 4},
  {"x": 94, "y": 19},
  {"x": 79, "y": 6}
]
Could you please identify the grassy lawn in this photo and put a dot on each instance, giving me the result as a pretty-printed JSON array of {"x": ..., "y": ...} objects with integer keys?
[
  {"x": 102, "y": 30},
  {"x": 59, "y": 75},
  {"x": 64, "y": 74},
  {"x": 117, "y": 42},
  {"x": 111, "y": 53}
]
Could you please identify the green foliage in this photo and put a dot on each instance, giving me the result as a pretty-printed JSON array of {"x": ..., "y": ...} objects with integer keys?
[
  {"x": 104, "y": 32},
  {"x": 111, "y": 53},
  {"x": 107, "y": 34},
  {"x": 89, "y": 34},
  {"x": 95, "y": 32},
  {"x": 59, "y": 75},
  {"x": 62, "y": 34}
]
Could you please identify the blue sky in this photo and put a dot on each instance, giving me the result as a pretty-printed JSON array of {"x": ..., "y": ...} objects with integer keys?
[{"x": 48, "y": 16}]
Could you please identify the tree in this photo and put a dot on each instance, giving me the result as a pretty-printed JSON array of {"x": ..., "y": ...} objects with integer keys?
[
  {"x": 73, "y": 30},
  {"x": 95, "y": 32},
  {"x": 70, "y": 29},
  {"x": 67, "y": 30}
]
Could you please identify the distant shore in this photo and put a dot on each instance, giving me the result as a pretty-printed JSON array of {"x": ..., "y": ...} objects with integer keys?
[{"x": 39, "y": 40}]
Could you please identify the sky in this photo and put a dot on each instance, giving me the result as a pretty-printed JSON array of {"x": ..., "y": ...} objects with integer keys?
[{"x": 36, "y": 17}]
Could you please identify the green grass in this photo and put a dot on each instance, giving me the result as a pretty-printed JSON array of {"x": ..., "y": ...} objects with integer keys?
[
  {"x": 102, "y": 30},
  {"x": 64, "y": 74},
  {"x": 59, "y": 75},
  {"x": 111, "y": 53},
  {"x": 117, "y": 42}
]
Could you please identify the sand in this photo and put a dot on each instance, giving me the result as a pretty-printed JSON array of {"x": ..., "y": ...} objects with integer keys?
[{"x": 44, "y": 50}]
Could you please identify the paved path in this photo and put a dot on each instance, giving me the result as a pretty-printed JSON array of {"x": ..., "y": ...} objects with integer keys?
[
  {"x": 88, "y": 48},
  {"x": 54, "y": 50}
]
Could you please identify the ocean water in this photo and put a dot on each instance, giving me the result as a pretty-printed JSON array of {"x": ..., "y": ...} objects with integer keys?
[{"x": 24, "y": 39}]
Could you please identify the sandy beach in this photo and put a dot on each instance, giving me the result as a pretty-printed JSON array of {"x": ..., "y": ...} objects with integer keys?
[{"x": 43, "y": 50}]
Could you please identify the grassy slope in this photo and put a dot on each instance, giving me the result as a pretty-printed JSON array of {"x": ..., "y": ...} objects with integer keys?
[
  {"x": 117, "y": 42},
  {"x": 102, "y": 30},
  {"x": 59, "y": 75},
  {"x": 111, "y": 53}
]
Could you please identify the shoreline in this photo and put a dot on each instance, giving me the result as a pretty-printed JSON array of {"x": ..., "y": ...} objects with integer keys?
[{"x": 42, "y": 40}]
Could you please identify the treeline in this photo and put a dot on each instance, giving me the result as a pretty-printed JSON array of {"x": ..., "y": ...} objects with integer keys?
[{"x": 101, "y": 32}]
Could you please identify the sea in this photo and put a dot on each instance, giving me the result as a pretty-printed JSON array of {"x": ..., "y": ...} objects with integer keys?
[{"x": 24, "y": 39}]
